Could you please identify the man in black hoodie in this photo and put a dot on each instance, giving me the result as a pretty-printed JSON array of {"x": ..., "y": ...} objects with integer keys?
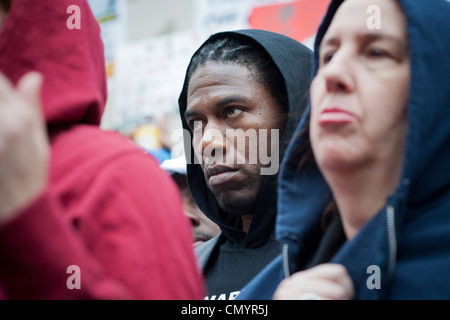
[{"x": 243, "y": 96}]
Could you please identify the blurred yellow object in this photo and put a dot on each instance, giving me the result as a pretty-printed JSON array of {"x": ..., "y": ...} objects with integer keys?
[
  {"x": 148, "y": 137},
  {"x": 110, "y": 69}
]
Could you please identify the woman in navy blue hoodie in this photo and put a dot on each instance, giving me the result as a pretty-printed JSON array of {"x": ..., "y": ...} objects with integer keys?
[{"x": 364, "y": 193}]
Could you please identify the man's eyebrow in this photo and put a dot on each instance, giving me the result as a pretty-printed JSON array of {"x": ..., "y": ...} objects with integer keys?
[
  {"x": 231, "y": 99},
  {"x": 190, "y": 113},
  {"x": 219, "y": 103}
]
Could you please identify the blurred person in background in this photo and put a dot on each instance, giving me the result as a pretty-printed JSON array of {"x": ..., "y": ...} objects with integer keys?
[
  {"x": 247, "y": 81},
  {"x": 73, "y": 198},
  {"x": 203, "y": 228}
]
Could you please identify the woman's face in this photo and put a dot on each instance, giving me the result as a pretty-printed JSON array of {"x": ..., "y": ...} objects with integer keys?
[{"x": 360, "y": 93}]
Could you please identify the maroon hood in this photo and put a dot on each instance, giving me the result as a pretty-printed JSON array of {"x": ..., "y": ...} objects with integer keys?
[{"x": 35, "y": 37}]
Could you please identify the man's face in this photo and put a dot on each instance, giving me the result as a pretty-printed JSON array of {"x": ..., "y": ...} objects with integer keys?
[
  {"x": 359, "y": 96},
  {"x": 226, "y": 109}
]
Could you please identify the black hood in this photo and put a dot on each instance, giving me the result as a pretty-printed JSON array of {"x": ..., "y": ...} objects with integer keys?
[{"x": 294, "y": 62}]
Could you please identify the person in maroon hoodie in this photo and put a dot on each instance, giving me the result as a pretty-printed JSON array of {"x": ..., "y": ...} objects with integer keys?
[{"x": 84, "y": 213}]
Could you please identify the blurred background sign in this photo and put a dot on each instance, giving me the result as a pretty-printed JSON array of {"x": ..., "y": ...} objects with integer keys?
[
  {"x": 149, "y": 43},
  {"x": 215, "y": 14},
  {"x": 296, "y": 19},
  {"x": 111, "y": 15}
]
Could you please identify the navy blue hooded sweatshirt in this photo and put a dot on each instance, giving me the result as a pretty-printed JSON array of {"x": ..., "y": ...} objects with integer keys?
[
  {"x": 409, "y": 238},
  {"x": 233, "y": 258}
]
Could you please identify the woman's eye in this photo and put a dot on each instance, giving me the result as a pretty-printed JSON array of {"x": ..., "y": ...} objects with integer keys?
[
  {"x": 233, "y": 112},
  {"x": 377, "y": 53},
  {"x": 327, "y": 57}
]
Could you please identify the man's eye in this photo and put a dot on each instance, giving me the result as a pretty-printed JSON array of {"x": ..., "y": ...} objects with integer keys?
[
  {"x": 233, "y": 112},
  {"x": 194, "y": 124}
]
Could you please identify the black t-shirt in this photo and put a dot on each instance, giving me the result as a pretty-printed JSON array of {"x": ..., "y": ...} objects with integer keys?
[{"x": 228, "y": 272}]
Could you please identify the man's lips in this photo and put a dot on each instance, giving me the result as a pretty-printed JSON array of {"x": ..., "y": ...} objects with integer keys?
[
  {"x": 218, "y": 169},
  {"x": 218, "y": 174},
  {"x": 335, "y": 115}
]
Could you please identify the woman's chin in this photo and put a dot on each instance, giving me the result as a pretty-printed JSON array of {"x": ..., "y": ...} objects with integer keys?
[{"x": 338, "y": 160}]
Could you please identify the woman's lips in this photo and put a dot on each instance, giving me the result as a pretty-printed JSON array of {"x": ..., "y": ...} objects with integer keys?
[{"x": 335, "y": 115}]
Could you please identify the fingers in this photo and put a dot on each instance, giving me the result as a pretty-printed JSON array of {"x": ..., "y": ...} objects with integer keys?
[
  {"x": 24, "y": 147},
  {"x": 326, "y": 281},
  {"x": 335, "y": 274},
  {"x": 20, "y": 107},
  {"x": 6, "y": 87},
  {"x": 29, "y": 87}
]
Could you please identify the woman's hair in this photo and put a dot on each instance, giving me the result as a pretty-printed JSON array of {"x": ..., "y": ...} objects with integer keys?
[
  {"x": 6, "y": 5},
  {"x": 249, "y": 54},
  {"x": 302, "y": 158},
  {"x": 302, "y": 155}
]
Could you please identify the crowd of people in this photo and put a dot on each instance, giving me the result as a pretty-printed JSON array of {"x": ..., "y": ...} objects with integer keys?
[{"x": 307, "y": 174}]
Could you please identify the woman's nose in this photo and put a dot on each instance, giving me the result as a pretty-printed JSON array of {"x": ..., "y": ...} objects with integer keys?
[{"x": 338, "y": 73}]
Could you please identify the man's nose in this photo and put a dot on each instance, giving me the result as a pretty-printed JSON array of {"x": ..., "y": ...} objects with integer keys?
[
  {"x": 192, "y": 217},
  {"x": 213, "y": 142}
]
